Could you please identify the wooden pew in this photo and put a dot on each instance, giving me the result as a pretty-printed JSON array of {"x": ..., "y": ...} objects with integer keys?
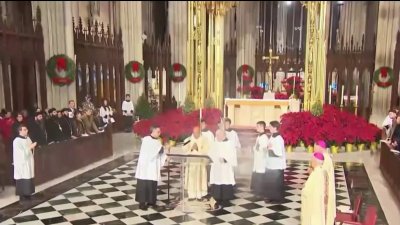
[
  {"x": 56, "y": 160},
  {"x": 390, "y": 167}
]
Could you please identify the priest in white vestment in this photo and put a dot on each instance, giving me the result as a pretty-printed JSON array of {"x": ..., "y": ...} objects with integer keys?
[
  {"x": 23, "y": 164},
  {"x": 231, "y": 134},
  {"x": 222, "y": 177},
  {"x": 314, "y": 194},
  {"x": 148, "y": 171},
  {"x": 259, "y": 154},
  {"x": 320, "y": 146},
  {"x": 196, "y": 172},
  {"x": 275, "y": 165}
]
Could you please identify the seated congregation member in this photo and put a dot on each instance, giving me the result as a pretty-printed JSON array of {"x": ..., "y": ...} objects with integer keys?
[
  {"x": 389, "y": 122},
  {"x": 37, "y": 129},
  {"x": 275, "y": 165},
  {"x": 152, "y": 157},
  {"x": 395, "y": 137},
  {"x": 259, "y": 153},
  {"x": 196, "y": 172},
  {"x": 19, "y": 120},
  {"x": 80, "y": 129},
  {"x": 106, "y": 113},
  {"x": 222, "y": 176},
  {"x": 23, "y": 164},
  {"x": 89, "y": 124},
  {"x": 53, "y": 129},
  {"x": 314, "y": 194},
  {"x": 66, "y": 124}
]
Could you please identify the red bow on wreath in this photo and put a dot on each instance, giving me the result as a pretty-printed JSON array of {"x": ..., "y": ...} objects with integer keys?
[
  {"x": 384, "y": 72},
  {"x": 244, "y": 68},
  {"x": 177, "y": 67},
  {"x": 135, "y": 67},
  {"x": 61, "y": 63}
]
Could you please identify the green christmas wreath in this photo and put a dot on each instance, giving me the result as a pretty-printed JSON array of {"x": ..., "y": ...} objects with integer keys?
[
  {"x": 134, "y": 71},
  {"x": 61, "y": 69},
  {"x": 383, "y": 77},
  {"x": 177, "y": 72},
  {"x": 246, "y": 71}
]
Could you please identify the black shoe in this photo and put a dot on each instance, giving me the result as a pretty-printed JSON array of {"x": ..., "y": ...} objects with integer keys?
[
  {"x": 217, "y": 206},
  {"x": 143, "y": 206}
]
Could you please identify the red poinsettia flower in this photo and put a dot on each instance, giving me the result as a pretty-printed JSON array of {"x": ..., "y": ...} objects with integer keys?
[
  {"x": 177, "y": 67},
  {"x": 135, "y": 67},
  {"x": 61, "y": 63}
]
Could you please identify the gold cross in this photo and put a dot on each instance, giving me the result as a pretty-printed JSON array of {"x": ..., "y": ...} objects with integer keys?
[{"x": 268, "y": 76}]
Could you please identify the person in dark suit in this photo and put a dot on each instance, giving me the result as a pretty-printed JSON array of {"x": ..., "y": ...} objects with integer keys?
[
  {"x": 66, "y": 124},
  {"x": 53, "y": 129},
  {"x": 37, "y": 129}
]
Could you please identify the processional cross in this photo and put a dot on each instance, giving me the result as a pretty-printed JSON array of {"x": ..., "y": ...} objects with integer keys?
[{"x": 268, "y": 77}]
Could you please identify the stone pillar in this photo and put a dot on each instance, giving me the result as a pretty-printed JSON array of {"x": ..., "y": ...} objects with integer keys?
[
  {"x": 58, "y": 39},
  {"x": 130, "y": 19},
  {"x": 388, "y": 24},
  {"x": 178, "y": 31}
]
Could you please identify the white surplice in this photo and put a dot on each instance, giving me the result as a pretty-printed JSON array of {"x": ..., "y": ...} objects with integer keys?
[
  {"x": 222, "y": 172},
  {"x": 259, "y": 153},
  {"x": 209, "y": 136},
  {"x": 150, "y": 159},
  {"x": 23, "y": 159},
  {"x": 234, "y": 138}
]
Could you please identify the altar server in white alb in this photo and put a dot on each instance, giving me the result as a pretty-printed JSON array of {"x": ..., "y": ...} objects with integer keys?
[
  {"x": 206, "y": 133},
  {"x": 128, "y": 112},
  {"x": 231, "y": 134},
  {"x": 23, "y": 164},
  {"x": 259, "y": 154},
  {"x": 222, "y": 177},
  {"x": 148, "y": 171},
  {"x": 275, "y": 165},
  {"x": 106, "y": 113}
]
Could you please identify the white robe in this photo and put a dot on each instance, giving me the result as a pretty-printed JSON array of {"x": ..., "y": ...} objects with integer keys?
[
  {"x": 234, "y": 138},
  {"x": 222, "y": 173},
  {"x": 150, "y": 160},
  {"x": 195, "y": 171},
  {"x": 313, "y": 208},
  {"x": 277, "y": 161},
  {"x": 106, "y": 114},
  {"x": 331, "y": 207},
  {"x": 127, "y": 108},
  {"x": 259, "y": 153},
  {"x": 23, "y": 159},
  {"x": 209, "y": 136}
]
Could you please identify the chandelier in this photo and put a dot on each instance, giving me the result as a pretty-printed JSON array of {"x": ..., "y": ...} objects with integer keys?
[{"x": 216, "y": 7}]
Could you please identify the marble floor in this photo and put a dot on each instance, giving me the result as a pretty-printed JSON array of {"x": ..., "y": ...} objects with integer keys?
[{"x": 103, "y": 193}]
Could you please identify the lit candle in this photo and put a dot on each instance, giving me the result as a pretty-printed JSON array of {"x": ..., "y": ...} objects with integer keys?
[
  {"x": 356, "y": 95},
  {"x": 224, "y": 115},
  {"x": 341, "y": 102},
  {"x": 200, "y": 115},
  {"x": 294, "y": 84},
  {"x": 179, "y": 94},
  {"x": 75, "y": 58},
  {"x": 330, "y": 94}
]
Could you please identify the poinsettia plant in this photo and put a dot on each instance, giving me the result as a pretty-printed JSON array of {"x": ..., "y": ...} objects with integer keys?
[
  {"x": 177, "y": 125},
  {"x": 334, "y": 126},
  {"x": 293, "y": 83}
]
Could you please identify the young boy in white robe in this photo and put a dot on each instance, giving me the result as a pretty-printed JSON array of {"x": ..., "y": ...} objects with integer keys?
[
  {"x": 128, "y": 112},
  {"x": 231, "y": 134},
  {"x": 148, "y": 171},
  {"x": 314, "y": 194},
  {"x": 320, "y": 146},
  {"x": 275, "y": 165},
  {"x": 259, "y": 154},
  {"x": 222, "y": 177},
  {"x": 23, "y": 164}
]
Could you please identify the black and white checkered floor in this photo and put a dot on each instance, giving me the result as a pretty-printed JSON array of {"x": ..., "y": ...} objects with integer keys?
[{"x": 109, "y": 200}]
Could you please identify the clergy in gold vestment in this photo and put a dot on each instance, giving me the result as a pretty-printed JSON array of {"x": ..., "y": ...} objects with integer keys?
[
  {"x": 320, "y": 146},
  {"x": 196, "y": 173},
  {"x": 314, "y": 194}
]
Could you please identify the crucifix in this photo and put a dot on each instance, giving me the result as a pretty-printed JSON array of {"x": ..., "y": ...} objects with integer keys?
[{"x": 268, "y": 77}]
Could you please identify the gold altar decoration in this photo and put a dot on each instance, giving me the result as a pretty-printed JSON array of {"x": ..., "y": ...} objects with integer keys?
[
  {"x": 206, "y": 60},
  {"x": 315, "y": 66},
  {"x": 268, "y": 76}
]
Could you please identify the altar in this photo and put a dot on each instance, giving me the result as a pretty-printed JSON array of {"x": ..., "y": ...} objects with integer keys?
[{"x": 247, "y": 112}]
